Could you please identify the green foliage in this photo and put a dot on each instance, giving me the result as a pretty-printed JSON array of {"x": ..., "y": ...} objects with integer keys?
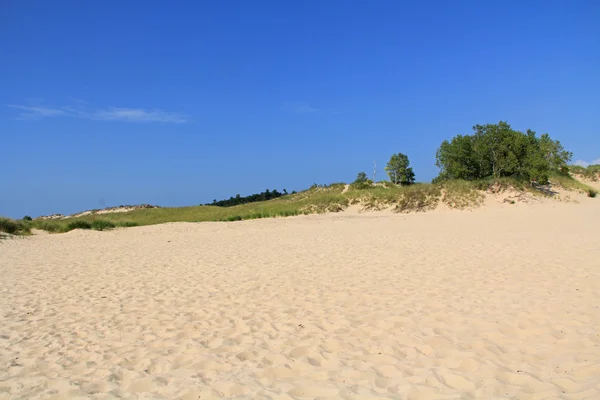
[
  {"x": 496, "y": 150},
  {"x": 27, "y": 218},
  {"x": 591, "y": 172},
  {"x": 237, "y": 200},
  {"x": 126, "y": 224},
  {"x": 78, "y": 224},
  {"x": 592, "y": 193},
  {"x": 100, "y": 224},
  {"x": 361, "y": 178},
  {"x": 399, "y": 170},
  {"x": 566, "y": 181},
  {"x": 361, "y": 182},
  {"x": 50, "y": 226},
  {"x": 13, "y": 227}
]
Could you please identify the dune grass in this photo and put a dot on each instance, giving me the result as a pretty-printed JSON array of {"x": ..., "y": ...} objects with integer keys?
[
  {"x": 318, "y": 199},
  {"x": 591, "y": 172},
  {"x": 11, "y": 227},
  {"x": 568, "y": 182}
]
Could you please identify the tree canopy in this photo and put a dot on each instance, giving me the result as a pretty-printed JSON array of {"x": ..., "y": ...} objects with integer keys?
[
  {"x": 237, "y": 200},
  {"x": 497, "y": 150},
  {"x": 399, "y": 170}
]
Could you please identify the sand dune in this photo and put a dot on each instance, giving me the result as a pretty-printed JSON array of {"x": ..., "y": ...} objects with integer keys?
[{"x": 496, "y": 303}]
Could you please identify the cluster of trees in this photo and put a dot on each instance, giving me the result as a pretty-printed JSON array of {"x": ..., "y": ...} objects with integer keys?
[
  {"x": 398, "y": 169},
  {"x": 237, "y": 200},
  {"x": 492, "y": 151},
  {"x": 497, "y": 150}
]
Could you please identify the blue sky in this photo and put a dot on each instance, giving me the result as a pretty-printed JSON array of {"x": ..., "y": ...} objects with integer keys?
[{"x": 178, "y": 103}]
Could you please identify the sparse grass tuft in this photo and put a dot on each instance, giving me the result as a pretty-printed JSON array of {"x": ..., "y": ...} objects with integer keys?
[
  {"x": 568, "y": 182},
  {"x": 418, "y": 198},
  {"x": 462, "y": 194},
  {"x": 592, "y": 172},
  {"x": 12, "y": 227}
]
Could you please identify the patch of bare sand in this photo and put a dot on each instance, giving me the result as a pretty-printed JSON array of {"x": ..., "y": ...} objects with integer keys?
[{"x": 499, "y": 302}]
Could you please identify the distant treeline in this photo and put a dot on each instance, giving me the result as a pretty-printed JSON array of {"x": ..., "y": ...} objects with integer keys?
[{"x": 237, "y": 200}]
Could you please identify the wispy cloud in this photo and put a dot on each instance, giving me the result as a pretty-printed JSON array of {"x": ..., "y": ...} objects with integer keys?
[
  {"x": 298, "y": 107},
  {"x": 139, "y": 115},
  {"x": 80, "y": 110},
  {"x": 27, "y": 112},
  {"x": 584, "y": 164}
]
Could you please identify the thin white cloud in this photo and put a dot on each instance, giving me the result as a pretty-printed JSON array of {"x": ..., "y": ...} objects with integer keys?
[
  {"x": 298, "y": 107},
  {"x": 585, "y": 164},
  {"x": 108, "y": 114},
  {"x": 138, "y": 115},
  {"x": 38, "y": 112}
]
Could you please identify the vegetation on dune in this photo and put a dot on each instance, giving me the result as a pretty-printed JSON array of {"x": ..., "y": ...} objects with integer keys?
[
  {"x": 399, "y": 170},
  {"x": 498, "y": 151},
  {"x": 11, "y": 227},
  {"x": 591, "y": 172},
  {"x": 237, "y": 200},
  {"x": 494, "y": 158}
]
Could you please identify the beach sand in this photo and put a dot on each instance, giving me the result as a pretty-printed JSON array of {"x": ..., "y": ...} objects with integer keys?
[{"x": 497, "y": 303}]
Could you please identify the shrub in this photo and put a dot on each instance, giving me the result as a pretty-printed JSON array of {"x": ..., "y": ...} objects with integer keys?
[
  {"x": 362, "y": 185},
  {"x": 234, "y": 218},
  {"x": 127, "y": 224},
  {"x": 592, "y": 193},
  {"x": 49, "y": 226},
  {"x": 101, "y": 224},
  {"x": 14, "y": 227},
  {"x": 27, "y": 218},
  {"x": 78, "y": 224}
]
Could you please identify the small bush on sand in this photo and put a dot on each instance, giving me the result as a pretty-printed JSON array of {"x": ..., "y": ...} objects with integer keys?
[
  {"x": 100, "y": 225},
  {"x": 27, "y": 218},
  {"x": 14, "y": 227},
  {"x": 126, "y": 224},
  {"x": 50, "y": 226},
  {"x": 78, "y": 224},
  {"x": 592, "y": 193}
]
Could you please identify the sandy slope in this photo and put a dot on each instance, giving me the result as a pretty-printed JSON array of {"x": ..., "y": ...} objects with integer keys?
[{"x": 496, "y": 303}]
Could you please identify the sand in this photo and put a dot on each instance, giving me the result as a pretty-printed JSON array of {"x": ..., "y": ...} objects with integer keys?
[{"x": 501, "y": 302}]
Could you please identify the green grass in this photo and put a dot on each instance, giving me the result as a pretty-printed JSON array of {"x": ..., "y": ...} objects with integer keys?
[
  {"x": 418, "y": 198},
  {"x": 591, "y": 172},
  {"x": 463, "y": 194},
  {"x": 12, "y": 227},
  {"x": 66, "y": 225},
  {"x": 568, "y": 182},
  {"x": 318, "y": 199}
]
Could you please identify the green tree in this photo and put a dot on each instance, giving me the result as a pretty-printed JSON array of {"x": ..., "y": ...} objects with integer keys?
[
  {"x": 497, "y": 150},
  {"x": 399, "y": 170},
  {"x": 361, "y": 178},
  {"x": 362, "y": 182},
  {"x": 554, "y": 153},
  {"x": 456, "y": 159}
]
